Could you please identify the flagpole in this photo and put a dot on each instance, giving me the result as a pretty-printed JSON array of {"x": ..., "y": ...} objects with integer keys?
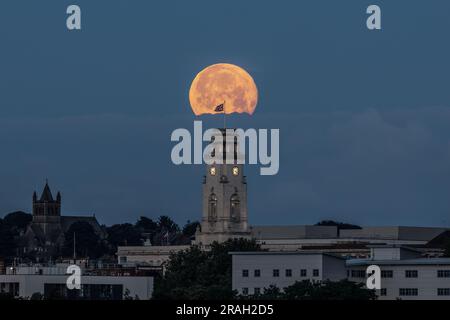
[{"x": 224, "y": 122}]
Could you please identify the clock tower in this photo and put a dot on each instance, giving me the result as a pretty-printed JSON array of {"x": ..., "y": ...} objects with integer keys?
[{"x": 224, "y": 197}]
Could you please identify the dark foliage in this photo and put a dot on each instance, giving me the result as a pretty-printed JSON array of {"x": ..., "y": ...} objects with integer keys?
[
  {"x": 88, "y": 243},
  {"x": 190, "y": 228},
  {"x": 339, "y": 225},
  {"x": 7, "y": 240},
  {"x": 326, "y": 290},
  {"x": 19, "y": 220},
  {"x": 124, "y": 235},
  {"x": 201, "y": 275}
]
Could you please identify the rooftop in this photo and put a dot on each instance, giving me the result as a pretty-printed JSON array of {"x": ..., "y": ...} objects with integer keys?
[
  {"x": 419, "y": 261},
  {"x": 283, "y": 253}
]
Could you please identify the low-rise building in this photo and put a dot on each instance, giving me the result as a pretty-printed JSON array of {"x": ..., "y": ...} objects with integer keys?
[
  {"x": 254, "y": 271},
  {"x": 50, "y": 282},
  {"x": 150, "y": 256},
  {"x": 405, "y": 274}
]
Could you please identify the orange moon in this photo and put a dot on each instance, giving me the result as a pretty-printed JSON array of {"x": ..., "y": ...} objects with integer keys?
[{"x": 221, "y": 83}]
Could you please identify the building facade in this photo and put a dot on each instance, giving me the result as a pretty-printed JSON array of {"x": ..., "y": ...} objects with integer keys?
[
  {"x": 146, "y": 256},
  {"x": 254, "y": 271},
  {"x": 405, "y": 273},
  {"x": 50, "y": 282}
]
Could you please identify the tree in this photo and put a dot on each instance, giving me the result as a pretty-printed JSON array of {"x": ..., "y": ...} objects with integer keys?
[
  {"x": 7, "y": 240},
  {"x": 37, "y": 296},
  {"x": 339, "y": 225},
  {"x": 166, "y": 224},
  {"x": 199, "y": 275},
  {"x": 18, "y": 219},
  {"x": 325, "y": 290},
  {"x": 123, "y": 235},
  {"x": 190, "y": 228},
  {"x": 146, "y": 225},
  {"x": 87, "y": 242}
]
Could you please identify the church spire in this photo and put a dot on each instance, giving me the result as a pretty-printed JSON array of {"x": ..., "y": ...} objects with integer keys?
[{"x": 46, "y": 194}]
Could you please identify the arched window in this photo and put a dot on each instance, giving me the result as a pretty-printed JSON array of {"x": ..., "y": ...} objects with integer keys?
[
  {"x": 235, "y": 208},
  {"x": 212, "y": 207}
]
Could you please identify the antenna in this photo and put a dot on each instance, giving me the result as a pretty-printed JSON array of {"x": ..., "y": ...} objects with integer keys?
[{"x": 224, "y": 115}]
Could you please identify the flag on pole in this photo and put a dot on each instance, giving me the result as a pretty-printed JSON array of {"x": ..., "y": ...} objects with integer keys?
[
  {"x": 219, "y": 108},
  {"x": 166, "y": 237}
]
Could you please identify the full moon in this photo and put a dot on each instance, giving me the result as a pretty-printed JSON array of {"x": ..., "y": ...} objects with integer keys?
[{"x": 221, "y": 83}]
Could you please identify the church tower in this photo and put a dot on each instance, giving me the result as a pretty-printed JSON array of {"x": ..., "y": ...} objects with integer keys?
[
  {"x": 47, "y": 212},
  {"x": 224, "y": 198}
]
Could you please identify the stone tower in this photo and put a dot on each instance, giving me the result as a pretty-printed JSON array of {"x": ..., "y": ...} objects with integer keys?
[
  {"x": 47, "y": 212},
  {"x": 224, "y": 198}
]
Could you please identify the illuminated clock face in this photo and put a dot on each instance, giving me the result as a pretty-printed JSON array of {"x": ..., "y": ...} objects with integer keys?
[
  {"x": 235, "y": 171},
  {"x": 212, "y": 171}
]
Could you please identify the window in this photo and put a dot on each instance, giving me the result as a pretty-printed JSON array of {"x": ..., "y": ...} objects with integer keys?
[
  {"x": 123, "y": 259},
  {"x": 245, "y": 273},
  {"x": 303, "y": 273},
  {"x": 288, "y": 273},
  {"x": 257, "y": 291},
  {"x": 443, "y": 291},
  {"x": 387, "y": 273},
  {"x": 315, "y": 272},
  {"x": 257, "y": 273},
  {"x": 358, "y": 273},
  {"x": 245, "y": 291},
  {"x": 408, "y": 291},
  {"x": 443, "y": 273},
  {"x": 235, "y": 206},
  {"x": 276, "y": 272},
  {"x": 212, "y": 209},
  {"x": 411, "y": 273},
  {"x": 383, "y": 292}
]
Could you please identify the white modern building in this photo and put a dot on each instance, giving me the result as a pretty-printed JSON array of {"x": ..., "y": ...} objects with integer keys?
[
  {"x": 254, "y": 271},
  {"x": 405, "y": 274},
  {"x": 50, "y": 282}
]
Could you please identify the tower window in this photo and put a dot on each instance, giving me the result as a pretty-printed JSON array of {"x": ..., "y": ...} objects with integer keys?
[
  {"x": 235, "y": 207},
  {"x": 212, "y": 208}
]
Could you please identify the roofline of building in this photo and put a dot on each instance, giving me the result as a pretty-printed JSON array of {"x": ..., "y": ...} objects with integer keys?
[
  {"x": 253, "y": 253},
  {"x": 419, "y": 261},
  {"x": 393, "y": 246}
]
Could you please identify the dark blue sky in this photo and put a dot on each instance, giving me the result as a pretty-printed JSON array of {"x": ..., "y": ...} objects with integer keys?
[{"x": 364, "y": 116}]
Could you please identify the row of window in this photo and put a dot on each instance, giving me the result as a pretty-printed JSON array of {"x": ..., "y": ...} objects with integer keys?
[
  {"x": 390, "y": 273},
  {"x": 383, "y": 292},
  {"x": 256, "y": 291},
  {"x": 276, "y": 273},
  {"x": 415, "y": 292}
]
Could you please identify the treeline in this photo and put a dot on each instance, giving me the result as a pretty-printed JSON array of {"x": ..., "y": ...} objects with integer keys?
[
  {"x": 195, "y": 274},
  {"x": 89, "y": 242}
]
